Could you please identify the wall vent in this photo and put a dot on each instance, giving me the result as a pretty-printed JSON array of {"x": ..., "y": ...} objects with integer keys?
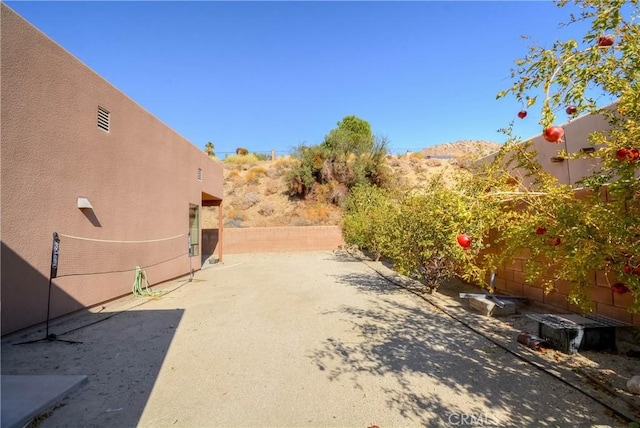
[
  {"x": 199, "y": 174},
  {"x": 103, "y": 119}
]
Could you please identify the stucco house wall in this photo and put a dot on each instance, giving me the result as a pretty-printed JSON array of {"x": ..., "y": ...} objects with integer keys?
[
  {"x": 576, "y": 138},
  {"x": 140, "y": 176}
]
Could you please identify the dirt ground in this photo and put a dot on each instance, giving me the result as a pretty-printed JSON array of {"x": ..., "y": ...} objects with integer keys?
[
  {"x": 603, "y": 373},
  {"x": 312, "y": 339}
]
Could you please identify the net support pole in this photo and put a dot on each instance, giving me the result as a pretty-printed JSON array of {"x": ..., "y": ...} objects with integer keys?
[
  {"x": 55, "y": 251},
  {"x": 53, "y": 273}
]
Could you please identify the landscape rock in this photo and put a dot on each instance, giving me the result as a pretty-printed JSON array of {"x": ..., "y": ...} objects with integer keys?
[{"x": 633, "y": 385}]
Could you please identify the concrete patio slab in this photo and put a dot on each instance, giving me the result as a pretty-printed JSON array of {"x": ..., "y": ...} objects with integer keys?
[{"x": 26, "y": 396}]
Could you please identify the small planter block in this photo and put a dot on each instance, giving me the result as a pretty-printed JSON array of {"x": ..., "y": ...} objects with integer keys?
[{"x": 492, "y": 306}]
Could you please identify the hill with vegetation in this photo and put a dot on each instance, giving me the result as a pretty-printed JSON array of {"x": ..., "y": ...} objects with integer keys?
[{"x": 257, "y": 192}]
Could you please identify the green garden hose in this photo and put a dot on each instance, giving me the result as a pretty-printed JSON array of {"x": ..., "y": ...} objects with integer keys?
[{"x": 140, "y": 290}]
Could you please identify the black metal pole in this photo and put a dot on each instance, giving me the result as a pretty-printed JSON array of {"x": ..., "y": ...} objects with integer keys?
[{"x": 53, "y": 273}]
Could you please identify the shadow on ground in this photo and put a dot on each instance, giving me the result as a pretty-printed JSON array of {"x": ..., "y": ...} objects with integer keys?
[
  {"x": 427, "y": 352},
  {"x": 121, "y": 353}
]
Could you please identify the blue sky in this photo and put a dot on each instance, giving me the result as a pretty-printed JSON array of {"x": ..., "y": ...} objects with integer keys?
[{"x": 272, "y": 75}]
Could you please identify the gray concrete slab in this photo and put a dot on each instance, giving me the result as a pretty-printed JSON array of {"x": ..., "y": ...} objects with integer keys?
[{"x": 26, "y": 396}]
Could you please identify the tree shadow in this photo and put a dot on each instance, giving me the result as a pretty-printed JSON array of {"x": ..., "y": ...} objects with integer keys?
[
  {"x": 369, "y": 283},
  {"x": 387, "y": 285},
  {"x": 343, "y": 257},
  {"x": 441, "y": 369}
]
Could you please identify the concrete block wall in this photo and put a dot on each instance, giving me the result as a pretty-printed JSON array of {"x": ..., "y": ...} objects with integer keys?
[
  {"x": 281, "y": 239},
  {"x": 510, "y": 280}
]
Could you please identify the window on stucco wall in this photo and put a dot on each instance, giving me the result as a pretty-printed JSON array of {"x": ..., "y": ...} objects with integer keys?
[{"x": 194, "y": 229}]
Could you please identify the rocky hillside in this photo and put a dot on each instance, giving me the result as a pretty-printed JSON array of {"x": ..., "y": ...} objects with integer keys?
[
  {"x": 255, "y": 193},
  {"x": 462, "y": 148}
]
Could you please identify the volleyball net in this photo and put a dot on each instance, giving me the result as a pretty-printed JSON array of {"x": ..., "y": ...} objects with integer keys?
[{"x": 79, "y": 255}]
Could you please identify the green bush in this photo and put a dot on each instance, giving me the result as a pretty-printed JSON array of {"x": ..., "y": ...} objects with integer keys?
[
  {"x": 419, "y": 231},
  {"x": 368, "y": 211},
  {"x": 241, "y": 160},
  {"x": 262, "y": 156},
  {"x": 302, "y": 176},
  {"x": 349, "y": 155}
]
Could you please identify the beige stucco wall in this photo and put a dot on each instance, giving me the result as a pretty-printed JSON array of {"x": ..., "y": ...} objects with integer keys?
[
  {"x": 140, "y": 178},
  {"x": 577, "y": 133}
]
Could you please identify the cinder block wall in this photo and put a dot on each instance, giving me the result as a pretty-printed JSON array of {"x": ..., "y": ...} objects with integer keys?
[
  {"x": 510, "y": 280},
  {"x": 281, "y": 239}
]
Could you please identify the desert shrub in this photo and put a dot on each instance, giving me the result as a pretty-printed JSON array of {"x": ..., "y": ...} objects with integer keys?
[
  {"x": 254, "y": 173},
  {"x": 241, "y": 160},
  {"x": 252, "y": 197},
  {"x": 284, "y": 162},
  {"x": 316, "y": 213},
  {"x": 319, "y": 192},
  {"x": 433, "y": 162},
  {"x": 233, "y": 222},
  {"x": 301, "y": 178},
  {"x": 247, "y": 201},
  {"x": 281, "y": 165},
  {"x": 262, "y": 156},
  {"x": 463, "y": 160},
  {"x": 241, "y": 151},
  {"x": 392, "y": 161},
  {"x": 349, "y": 155},
  {"x": 374, "y": 169},
  {"x": 272, "y": 187},
  {"x": 234, "y": 218},
  {"x": 298, "y": 220},
  {"x": 266, "y": 209},
  {"x": 398, "y": 181},
  {"x": 417, "y": 165},
  {"x": 234, "y": 175},
  {"x": 368, "y": 211},
  {"x": 338, "y": 193}
]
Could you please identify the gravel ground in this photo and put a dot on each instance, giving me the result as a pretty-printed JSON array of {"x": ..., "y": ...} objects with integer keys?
[{"x": 297, "y": 339}]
